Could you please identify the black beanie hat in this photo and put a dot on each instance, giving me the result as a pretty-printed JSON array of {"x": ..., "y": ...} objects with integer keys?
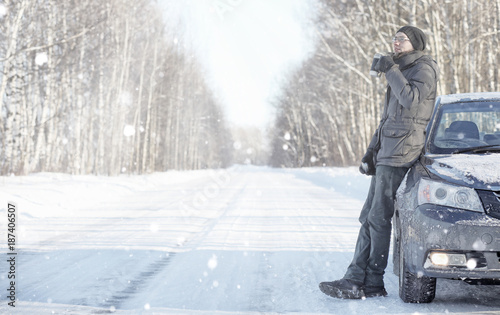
[{"x": 415, "y": 35}]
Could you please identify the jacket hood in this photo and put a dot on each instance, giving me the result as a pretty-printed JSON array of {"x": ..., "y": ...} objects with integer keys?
[
  {"x": 479, "y": 171},
  {"x": 432, "y": 63},
  {"x": 410, "y": 59}
]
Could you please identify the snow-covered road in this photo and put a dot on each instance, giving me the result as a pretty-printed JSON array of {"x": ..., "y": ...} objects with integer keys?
[{"x": 244, "y": 240}]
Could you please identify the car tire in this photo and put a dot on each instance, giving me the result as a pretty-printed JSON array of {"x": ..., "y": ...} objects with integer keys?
[
  {"x": 396, "y": 235},
  {"x": 412, "y": 288}
]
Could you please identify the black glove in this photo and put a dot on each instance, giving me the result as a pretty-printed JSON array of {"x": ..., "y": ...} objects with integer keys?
[
  {"x": 367, "y": 166},
  {"x": 384, "y": 64}
]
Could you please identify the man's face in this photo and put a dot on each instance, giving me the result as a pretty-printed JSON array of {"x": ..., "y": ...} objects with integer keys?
[{"x": 401, "y": 43}]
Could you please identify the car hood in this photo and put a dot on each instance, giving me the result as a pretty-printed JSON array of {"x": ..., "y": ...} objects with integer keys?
[{"x": 479, "y": 171}]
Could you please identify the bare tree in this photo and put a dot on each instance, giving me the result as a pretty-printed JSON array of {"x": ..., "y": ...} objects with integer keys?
[
  {"x": 331, "y": 106},
  {"x": 101, "y": 87}
]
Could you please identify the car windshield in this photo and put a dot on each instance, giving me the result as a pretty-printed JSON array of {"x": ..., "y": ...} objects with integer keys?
[{"x": 465, "y": 126}]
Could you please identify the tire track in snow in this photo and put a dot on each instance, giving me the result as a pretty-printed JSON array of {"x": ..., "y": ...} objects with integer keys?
[
  {"x": 262, "y": 299},
  {"x": 138, "y": 283},
  {"x": 231, "y": 198}
]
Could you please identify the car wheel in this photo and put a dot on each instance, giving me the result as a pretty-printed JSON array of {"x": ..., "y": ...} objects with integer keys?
[
  {"x": 412, "y": 288},
  {"x": 395, "y": 247}
]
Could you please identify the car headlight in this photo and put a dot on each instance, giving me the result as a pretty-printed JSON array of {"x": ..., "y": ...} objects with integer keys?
[{"x": 448, "y": 195}]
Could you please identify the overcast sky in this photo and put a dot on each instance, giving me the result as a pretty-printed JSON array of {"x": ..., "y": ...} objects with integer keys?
[{"x": 246, "y": 47}]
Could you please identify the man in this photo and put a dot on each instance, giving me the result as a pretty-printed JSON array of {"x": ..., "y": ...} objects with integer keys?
[{"x": 395, "y": 146}]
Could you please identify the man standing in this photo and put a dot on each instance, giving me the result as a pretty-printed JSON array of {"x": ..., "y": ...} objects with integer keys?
[{"x": 395, "y": 146}]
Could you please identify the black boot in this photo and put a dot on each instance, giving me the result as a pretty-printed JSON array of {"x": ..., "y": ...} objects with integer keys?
[
  {"x": 343, "y": 289},
  {"x": 374, "y": 291}
]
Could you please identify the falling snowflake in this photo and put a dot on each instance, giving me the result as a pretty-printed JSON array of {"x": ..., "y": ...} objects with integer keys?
[
  {"x": 125, "y": 98},
  {"x": 212, "y": 262},
  {"x": 41, "y": 58},
  {"x": 154, "y": 228},
  {"x": 3, "y": 11},
  {"x": 128, "y": 131}
]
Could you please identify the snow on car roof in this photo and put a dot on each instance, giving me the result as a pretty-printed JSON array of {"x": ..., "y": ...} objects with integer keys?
[{"x": 452, "y": 98}]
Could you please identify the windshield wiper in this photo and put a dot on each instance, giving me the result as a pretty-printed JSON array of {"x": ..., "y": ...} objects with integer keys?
[{"x": 480, "y": 149}]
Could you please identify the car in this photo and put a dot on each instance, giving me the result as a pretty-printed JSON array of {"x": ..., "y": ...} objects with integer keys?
[{"x": 446, "y": 222}]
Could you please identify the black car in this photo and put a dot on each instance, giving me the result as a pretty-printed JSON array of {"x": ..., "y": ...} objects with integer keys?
[{"x": 447, "y": 209}]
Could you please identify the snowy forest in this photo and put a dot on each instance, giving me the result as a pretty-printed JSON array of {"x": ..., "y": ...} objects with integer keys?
[
  {"x": 102, "y": 87},
  {"x": 331, "y": 106}
]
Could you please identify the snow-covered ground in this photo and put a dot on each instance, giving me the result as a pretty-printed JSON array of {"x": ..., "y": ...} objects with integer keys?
[{"x": 245, "y": 240}]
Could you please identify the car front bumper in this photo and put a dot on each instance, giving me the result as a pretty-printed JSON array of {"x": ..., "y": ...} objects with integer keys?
[{"x": 473, "y": 235}]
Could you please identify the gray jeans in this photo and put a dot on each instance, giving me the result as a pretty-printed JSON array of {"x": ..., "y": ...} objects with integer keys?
[{"x": 372, "y": 247}]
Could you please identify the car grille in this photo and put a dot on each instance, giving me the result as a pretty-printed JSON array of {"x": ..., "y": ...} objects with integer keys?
[{"x": 491, "y": 202}]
